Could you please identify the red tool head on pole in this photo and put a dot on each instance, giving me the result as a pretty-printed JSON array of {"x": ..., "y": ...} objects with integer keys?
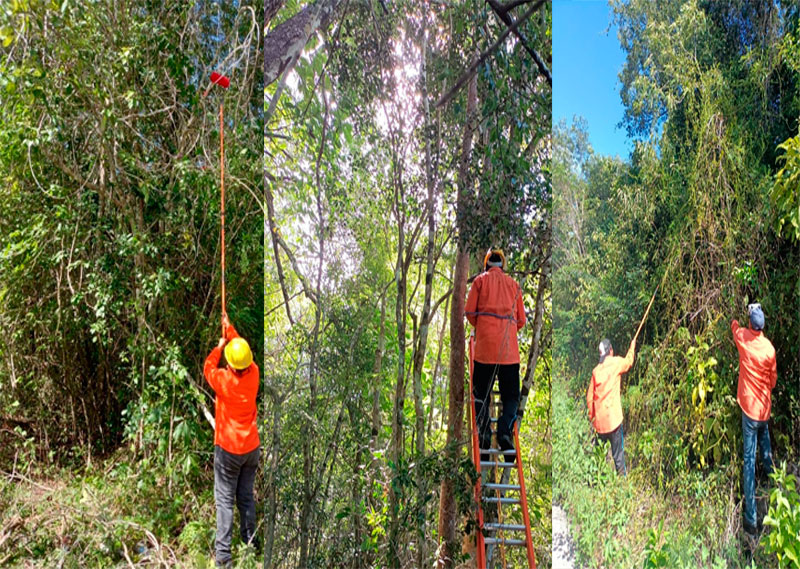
[
  {"x": 217, "y": 79},
  {"x": 224, "y": 82},
  {"x": 221, "y": 80}
]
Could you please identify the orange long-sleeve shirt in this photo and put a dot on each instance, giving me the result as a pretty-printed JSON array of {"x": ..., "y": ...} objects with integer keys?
[
  {"x": 235, "y": 406},
  {"x": 602, "y": 397},
  {"x": 758, "y": 372},
  {"x": 494, "y": 307}
]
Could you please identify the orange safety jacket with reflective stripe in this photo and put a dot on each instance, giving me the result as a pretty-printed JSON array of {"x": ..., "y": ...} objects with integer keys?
[
  {"x": 602, "y": 397},
  {"x": 758, "y": 372},
  {"x": 235, "y": 407},
  {"x": 495, "y": 309}
]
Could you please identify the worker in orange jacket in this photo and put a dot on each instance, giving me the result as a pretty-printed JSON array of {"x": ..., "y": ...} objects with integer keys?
[
  {"x": 494, "y": 307},
  {"x": 236, "y": 442},
  {"x": 603, "y": 399},
  {"x": 758, "y": 373}
]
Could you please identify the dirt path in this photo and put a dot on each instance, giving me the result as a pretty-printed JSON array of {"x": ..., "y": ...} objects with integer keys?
[{"x": 563, "y": 548}]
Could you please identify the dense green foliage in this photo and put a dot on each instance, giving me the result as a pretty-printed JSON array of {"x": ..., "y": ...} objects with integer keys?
[
  {"x": 701, "y": 211},
  {"x": 783, "y": 518},
  {"x": 359, "y": 426},
  {"x": 109, "y": 242}
]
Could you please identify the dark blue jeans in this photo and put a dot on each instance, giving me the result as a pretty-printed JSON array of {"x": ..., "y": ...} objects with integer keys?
[
  {"x": 617, "y": 440},
  {"x": 754, "y": 432},
  {"x": 234, "y": 477}
]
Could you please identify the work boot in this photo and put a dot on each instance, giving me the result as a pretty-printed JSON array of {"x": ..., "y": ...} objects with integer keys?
[
  {"x": 506, "y": 443},
  {"x": 750, "y": 539}
]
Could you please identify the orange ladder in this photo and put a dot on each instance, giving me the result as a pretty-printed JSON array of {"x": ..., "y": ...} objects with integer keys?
[{"x": 491, "y": 535}]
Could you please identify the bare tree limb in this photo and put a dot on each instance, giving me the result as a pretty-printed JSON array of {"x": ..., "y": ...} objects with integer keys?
[
  {"x": 273, "y": 231},
  {"x": 490, "y": 50},
  {"x": 514, "y": 4},
  {"x": 502, "y": 13},
  {"x": 309, "y": 292}
]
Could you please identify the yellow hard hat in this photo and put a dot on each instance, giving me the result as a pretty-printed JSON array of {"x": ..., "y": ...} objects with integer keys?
[
  {"x": 493, "y": 251},
  {"x": 238, "y": 354}
]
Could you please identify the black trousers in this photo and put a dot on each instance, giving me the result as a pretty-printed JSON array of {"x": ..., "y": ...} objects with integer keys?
[
  {"x": 508, "y": 383},
  {"x": 617, "y": 441}
]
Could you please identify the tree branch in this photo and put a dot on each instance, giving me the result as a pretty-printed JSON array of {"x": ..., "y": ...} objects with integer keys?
[
  {"x": 502, "y": 13},
  {"x": 491, "y": 49},
  {"x": 514, "y": 4},
  {"x": 273, "y": 231},
  {"x": 307, "y": 290},
  {"x": 287, "y": 40}
]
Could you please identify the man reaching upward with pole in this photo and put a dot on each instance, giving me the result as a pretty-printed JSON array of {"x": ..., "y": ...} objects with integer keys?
[
  {"x": 758, "y": 373},
  {"x": 236, "y": 441},
  {"x": 603, "y": 396},
  {"x": 603, "y": 399}
]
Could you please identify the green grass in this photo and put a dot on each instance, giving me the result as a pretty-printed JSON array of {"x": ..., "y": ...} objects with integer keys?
[
  {"x": 632, "y": 522},
  {"x": 118, "y": 514}
]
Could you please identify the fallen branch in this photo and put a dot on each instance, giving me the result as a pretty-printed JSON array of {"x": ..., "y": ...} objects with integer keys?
[{"x": 8, "y": 531}]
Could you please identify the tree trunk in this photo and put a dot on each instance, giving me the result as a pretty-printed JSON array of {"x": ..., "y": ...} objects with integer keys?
[
  {"x": 376, "y": 384},
  {"x": 271, "y": 7},
  {"x": 536, "y": 344},
  {"x": 309, "y": 491},
  {"x": 455, "y": 412},
  {"x": 422, "y": 341},
  {"x": 272, "y": 497},
  {"x": 424, "y": 324},
  {"x": 357, "y": 495},
  {"x": 437, "y": 367},
  {"x": 401, "y": 278},
  {"x": 287, "y": 40}
]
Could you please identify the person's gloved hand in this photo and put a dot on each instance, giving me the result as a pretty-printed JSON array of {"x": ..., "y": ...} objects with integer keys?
[
  {"x": 221, "y": 343},
  {"x": 225, "y": 322}
]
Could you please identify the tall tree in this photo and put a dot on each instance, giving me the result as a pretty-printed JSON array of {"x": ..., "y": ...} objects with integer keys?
[{"x": 455, "y": 407}]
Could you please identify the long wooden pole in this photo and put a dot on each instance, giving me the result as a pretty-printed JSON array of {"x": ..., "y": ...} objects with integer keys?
[{"x": 646, "y": 312}]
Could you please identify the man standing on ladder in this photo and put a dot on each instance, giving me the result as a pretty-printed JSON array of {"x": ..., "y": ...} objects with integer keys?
[
  {"x": 236, "y": 442},
  {"x": 758, "y": 373},
  {"x": 603, "y": 399},
  {"x": 494, "y": 307}
]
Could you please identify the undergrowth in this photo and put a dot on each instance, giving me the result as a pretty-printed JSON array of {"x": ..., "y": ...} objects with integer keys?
[
  {"x": 627, "y": 522},
  {"x": 118, "y": 514}
]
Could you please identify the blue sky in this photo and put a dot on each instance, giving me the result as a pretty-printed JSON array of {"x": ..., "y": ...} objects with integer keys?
[{"x": 586, "y": 61}]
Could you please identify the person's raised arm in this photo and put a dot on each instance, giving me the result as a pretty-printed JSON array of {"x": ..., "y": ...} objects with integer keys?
[
  {"x": 629, "y": 357},
  {"x": 230, "y": 331},
  {"x": 211, "y": 368},
  {"x": 735, "y": 330}
]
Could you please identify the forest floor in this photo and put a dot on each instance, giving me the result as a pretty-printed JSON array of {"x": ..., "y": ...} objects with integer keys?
[
  {"x": 563, "y": 546},
  {"x": 115, "y": 514}
]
